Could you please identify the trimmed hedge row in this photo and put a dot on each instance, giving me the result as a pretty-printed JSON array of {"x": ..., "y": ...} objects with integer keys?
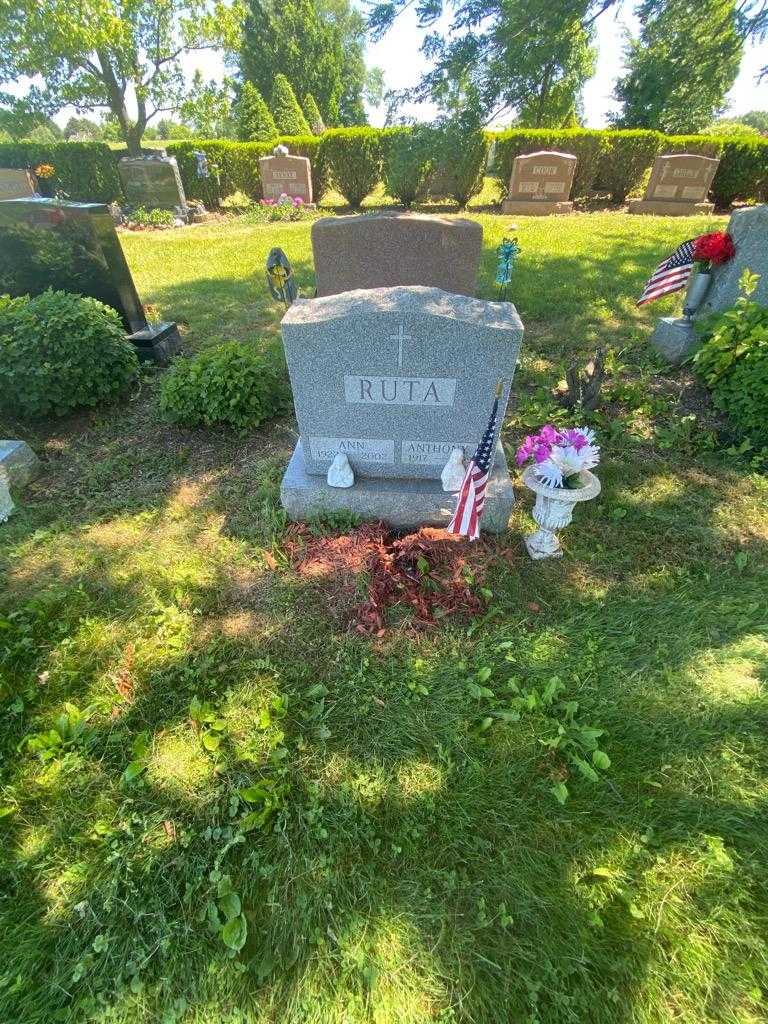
[
  {"x": 86, "y": 171},
  {"x": 352, "y": 160}
]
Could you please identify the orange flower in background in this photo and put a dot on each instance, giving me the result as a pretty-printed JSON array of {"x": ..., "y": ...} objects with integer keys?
[{"x": 45, "y": 170}]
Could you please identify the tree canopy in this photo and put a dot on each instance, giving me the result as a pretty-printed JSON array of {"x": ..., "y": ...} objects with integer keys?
[
  {"x": 531, "y": 56},
  {"x": 104, "y": 52},
  {"x": 254, "y": 120},
  {"x": 318, "y": 46},
  {"x": 207, "y": 108},
  {"x": 681, "y": 66},
  {"x": 286, "y": 110}
]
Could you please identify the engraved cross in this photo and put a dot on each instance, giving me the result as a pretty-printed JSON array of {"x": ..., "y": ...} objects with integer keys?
[{"x": 400, "y": 337}]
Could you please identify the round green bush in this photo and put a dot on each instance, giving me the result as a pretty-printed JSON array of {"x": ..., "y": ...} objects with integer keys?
[
  {"x": 230, "y": 383},
  {"x": 60, "y": 352}
]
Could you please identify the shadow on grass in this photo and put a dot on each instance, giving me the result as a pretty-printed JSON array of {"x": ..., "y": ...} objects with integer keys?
[{"x": 420, "y": 867}]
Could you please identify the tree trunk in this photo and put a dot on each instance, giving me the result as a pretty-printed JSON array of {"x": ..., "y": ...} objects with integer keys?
[{"x": 132, "y": 133}]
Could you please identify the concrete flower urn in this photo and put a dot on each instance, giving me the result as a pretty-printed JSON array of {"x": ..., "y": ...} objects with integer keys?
[{"x": 553, "y": 511}]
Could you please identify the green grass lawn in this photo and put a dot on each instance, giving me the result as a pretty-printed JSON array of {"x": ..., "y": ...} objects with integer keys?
[{"x": 409, "y": 862}]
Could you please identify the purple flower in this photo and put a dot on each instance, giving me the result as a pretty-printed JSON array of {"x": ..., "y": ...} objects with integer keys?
[
  {"x": 575, "y": 438},
  {"x": 548, "y": 434},
  {"x": 525, "y": 451},
  {"x": 542, "y": 452}
]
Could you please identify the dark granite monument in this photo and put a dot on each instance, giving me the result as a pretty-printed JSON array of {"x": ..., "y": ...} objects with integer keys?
[
  {"x": 73, "y": 247},
  {"x": 153, "y": 182}
]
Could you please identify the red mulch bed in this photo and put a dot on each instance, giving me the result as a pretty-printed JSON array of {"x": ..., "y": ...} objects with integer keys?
[{"x": 430, "y": 573}]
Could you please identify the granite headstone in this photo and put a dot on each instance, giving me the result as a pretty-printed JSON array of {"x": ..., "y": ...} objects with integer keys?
[
  {"x": 153, "y": 182},
  {"x": 676, "y": 337},
  {"x": 395, "y": 378},
  {"x": 388, "y": 250},
  {"x": 16, "y": 183},
  {"x": 19, "y": 463},
  {"x": 541, "y": 183},
  {"x": 678, "y": 186},
  {"x": 51, "y": 243},
  {"x": 748, "y": 227},
  {"x": 283, "y": 174}
]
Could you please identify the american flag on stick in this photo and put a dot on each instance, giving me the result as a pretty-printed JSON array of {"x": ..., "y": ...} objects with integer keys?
[
  {"x": 471, "y": 500},
  {"x": 671, "y": 275}
]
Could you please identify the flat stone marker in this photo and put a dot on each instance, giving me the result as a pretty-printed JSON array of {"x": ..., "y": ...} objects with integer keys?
[
  {"x": 286, "y": 175},
  {"x": 16, "y": 184},
  {"x": 73, "y": 247},
  {"x": 678, "y": 186},
  {"x": 153, "y": 182},
  {"x": 19, "y": 462},
  {"x": 541, "y": 183},
  {"x": 395, "y": 378},
  {"x": 388, "y": 250}
]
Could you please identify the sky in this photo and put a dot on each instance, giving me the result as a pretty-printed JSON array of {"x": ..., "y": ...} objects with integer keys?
[{"x": 398, "y": 54}]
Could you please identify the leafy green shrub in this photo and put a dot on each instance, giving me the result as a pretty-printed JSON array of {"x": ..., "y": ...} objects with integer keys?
[
  {"x": 458, "y": 153},
  {"x": 313, "y": 115},
  {"x": 585, "y": 144},
  {"x": 733, "y": 361},
  {"x": 405, "y": 165},
  {"x": 354, "y": 158},
  {"x": 229, "y": 383},
  {"x": 626, "y": 157},
  {"x": 742, "y": 172},
  {"x": 85, "y": 171},
  {"x": 154, "y": 218},
  {"x": 252, "y": 116},
  {"x": 286, "y": 110},
  {"x": 238, "y": 165},
  {"x": 238, "y": 202},
  {"x": 59, "y": 352}
]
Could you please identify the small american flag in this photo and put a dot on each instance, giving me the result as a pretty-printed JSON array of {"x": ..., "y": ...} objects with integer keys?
[
  {"x": 671, "y": 275},
  {"x": 471, "y": 501}
]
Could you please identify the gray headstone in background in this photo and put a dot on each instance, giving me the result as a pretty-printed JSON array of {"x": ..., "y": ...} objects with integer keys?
[
  {"x": 396, "y": 377},
  {"x": 749, "y": 229},
  {"x": 283, "y": 174},
  {"x": 16, "y": 184},
  {"x": 541, "y": 183},
  {"x": 386, "y": 250},
  {"x": 678, "y": 186},
  {"x": 153, "y": 182},
  {"x": 19, "y": 462}
]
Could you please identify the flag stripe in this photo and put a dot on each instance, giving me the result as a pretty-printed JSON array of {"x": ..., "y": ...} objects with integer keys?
[{"x": 671, "y": 275}]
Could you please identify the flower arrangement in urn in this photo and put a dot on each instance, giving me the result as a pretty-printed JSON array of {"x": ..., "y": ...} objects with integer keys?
[{"x": 559, "y": 475}]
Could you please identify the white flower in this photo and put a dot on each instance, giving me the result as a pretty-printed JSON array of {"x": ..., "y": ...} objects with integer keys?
[{"x": 567, "y": 461}]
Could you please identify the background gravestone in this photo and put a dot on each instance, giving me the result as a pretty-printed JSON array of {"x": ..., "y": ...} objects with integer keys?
[
  {"x": 73, "y": 247},
  {"x": 286, "y": 175},
  {"x": 678, "y": 186},
  {"x": 395, "y": 378},
  {"x": 153, "y": 182},
  {"x": 387, "y": 250},
  {"x": 16, "y": 183},
  {"x": 541, "y": 183}
]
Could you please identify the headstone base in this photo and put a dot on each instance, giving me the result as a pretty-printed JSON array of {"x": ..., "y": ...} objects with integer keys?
[
  {"x": 675, "y": 338},
  {"x": 157, "y": 342},
  {"x": 535, "y": 207},
  {"x": 403, "y": 504},
  {"x": 19, "y": 462},
  {"x": 669, "y": 207}
]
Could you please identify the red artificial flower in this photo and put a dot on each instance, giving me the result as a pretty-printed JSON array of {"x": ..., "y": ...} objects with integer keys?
[{"x": 716, "y": 247}]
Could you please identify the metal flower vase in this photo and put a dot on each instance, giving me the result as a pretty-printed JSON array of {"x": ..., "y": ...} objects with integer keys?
[
  {"x": 553, "y": 511},
  {"x": 697, "y": 290}
]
